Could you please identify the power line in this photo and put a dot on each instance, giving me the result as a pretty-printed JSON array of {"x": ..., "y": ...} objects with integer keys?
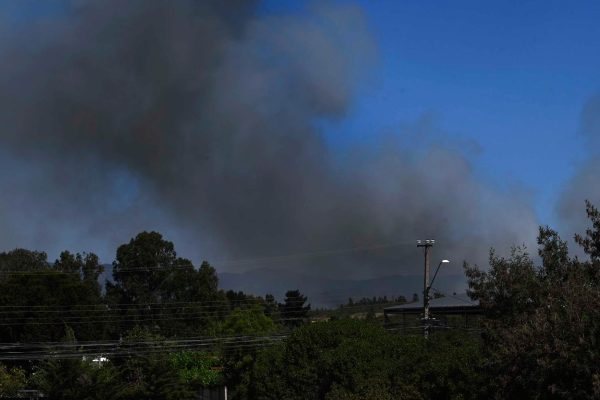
[
  {"x": 223, "y": 262},
  {"x": 126, "y": 353},
  {"x": 125, "y": 342},
  {"x": 174, "y": 303},
  {"x": 43, "y": 350},
  {"x": 222, "y": 306},
  {"x": 146, "y": 314},
  {"x": 107, "y": 307},
  {"x": 104, "y": 321},
  {"x": 121, "y": 317},
  {"x": 160, "y": 317}
]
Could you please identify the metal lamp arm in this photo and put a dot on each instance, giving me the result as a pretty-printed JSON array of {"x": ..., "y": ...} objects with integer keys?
[{"x": 434, "y": 275}]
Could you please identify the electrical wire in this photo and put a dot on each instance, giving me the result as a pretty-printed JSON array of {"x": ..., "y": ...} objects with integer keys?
[
  {"x": 214, "y": 309},
  {"x": 119, "y": 317},
  {"x": 174, "y": 303},
  {"x": 225, "y": 262},
  {"x": 43, "y": 350}
]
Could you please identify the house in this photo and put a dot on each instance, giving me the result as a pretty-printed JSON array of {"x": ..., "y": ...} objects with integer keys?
[{"x": 453, "y": 311}]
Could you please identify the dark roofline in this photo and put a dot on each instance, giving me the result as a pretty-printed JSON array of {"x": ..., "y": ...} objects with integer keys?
[
  {"x": 460, "y": 304},
  {"x": 466, "y": 309}
]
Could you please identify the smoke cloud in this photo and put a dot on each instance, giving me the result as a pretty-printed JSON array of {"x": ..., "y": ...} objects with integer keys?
[
  {"x": 584, "y": 184},
  {"x": 200, "y": 119}
]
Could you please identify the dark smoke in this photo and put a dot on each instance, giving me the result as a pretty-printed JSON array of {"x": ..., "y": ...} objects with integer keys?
[{"x": 200, "y": 119}]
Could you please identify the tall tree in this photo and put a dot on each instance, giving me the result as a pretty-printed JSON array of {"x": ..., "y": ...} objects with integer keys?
[
  {"x": 543, "y": 322},
  {"x": 142, "y": 265},
  {"x": 86, "y": 266},
  {"x": 270, "y": 305},
  {"x": 155, "y": 288},
  {"x": 294, "y": 310},
  {"x": 39, "y": 301},
  {"x": 22, "y": 260},
  {"x": 590, "y": 242}
]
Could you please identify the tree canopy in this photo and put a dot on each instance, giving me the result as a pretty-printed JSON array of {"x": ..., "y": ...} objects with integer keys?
[
  {"x": 293, "y": 310},
  {"x": 351, "y": 359},
  {"x": 543, "y": 321},
  {"x": 539, "y": 337}
]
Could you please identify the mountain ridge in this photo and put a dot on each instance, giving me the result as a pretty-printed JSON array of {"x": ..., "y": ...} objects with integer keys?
[
  {"x": 324, "y": 292},
  {"x": 329, "y": 292}
]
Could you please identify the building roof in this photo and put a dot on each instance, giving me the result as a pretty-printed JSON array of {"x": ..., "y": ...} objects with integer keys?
[{"x": 455, "y": 304}]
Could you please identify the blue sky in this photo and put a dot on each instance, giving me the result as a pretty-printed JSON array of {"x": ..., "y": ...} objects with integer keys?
[{"x": 512, "y": 76}]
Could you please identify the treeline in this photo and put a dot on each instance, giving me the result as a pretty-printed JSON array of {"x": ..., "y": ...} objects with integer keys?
[
  {"x": 368, "y": 301},
  {"x": 155, "y": 299},
  {"x": 384, "y": 300},
  {"x": 542, "y": 325},
  {"x": 538, "y": 338},
  {"x": 152, "y": 288}
]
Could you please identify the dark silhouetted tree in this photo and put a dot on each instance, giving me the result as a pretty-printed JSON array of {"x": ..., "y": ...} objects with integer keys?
[
  {"x": 22, "y": 260},
  {"x": 39, "y": 288},
  {"x": 270, "y": 305},
  {"x": 294, "y": 310},
  {"x": 85, "y": 265},
  {"x": 149, "y": 275},
  {"x": 543, "y": 322}
]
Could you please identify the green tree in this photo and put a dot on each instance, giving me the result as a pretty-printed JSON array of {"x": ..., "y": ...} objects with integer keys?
[
  {"x": 11, "y": 380},
  {"x": 590, "y": 242},
  {"x": 77, "y": 379},
  {"x": 148, "y": 372},
  {"x": 251, "y": 325},
  {"x": 198, "y": 369},
  {"x": 294, "y": 310},
  {"x": 543, "y": 322},
  {"x": 86, "y": 266},
  {"x": 352, "y": 359},
  {"x": 270, "y": 304},
  {"x": 22, "y": 260},
  {"x": 39, "y": 306},
  {"x": 164, "y": 291},
  {"x": 143, "y": 265},
  {"x": 247, "y": 321}
]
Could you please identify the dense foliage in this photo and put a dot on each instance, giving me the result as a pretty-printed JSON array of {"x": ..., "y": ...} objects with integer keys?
[
  {"x": 170, "y": 332},
  {"x": 542, "y": 328},
  {"x": 154, "y": 296},
  {"x": 352, "y": 359}
]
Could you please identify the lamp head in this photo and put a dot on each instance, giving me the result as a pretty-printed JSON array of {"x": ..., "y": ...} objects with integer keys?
[{"x": 445, "y": 261}]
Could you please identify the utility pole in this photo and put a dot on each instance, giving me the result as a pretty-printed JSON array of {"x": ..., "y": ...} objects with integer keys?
[{"x": 426, "y": 245}]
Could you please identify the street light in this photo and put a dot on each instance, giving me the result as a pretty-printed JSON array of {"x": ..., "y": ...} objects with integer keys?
[
  {"x": 436, "y": 272},
  {"x": 426, "y": 298}
]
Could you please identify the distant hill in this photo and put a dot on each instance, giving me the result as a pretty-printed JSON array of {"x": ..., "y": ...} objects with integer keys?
[{"x": 323, "y": 292}]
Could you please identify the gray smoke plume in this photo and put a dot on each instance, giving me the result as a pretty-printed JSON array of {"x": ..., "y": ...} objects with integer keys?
[
  {"x": 200, "y": 119},
  {"x": 584, "y": 184}
]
